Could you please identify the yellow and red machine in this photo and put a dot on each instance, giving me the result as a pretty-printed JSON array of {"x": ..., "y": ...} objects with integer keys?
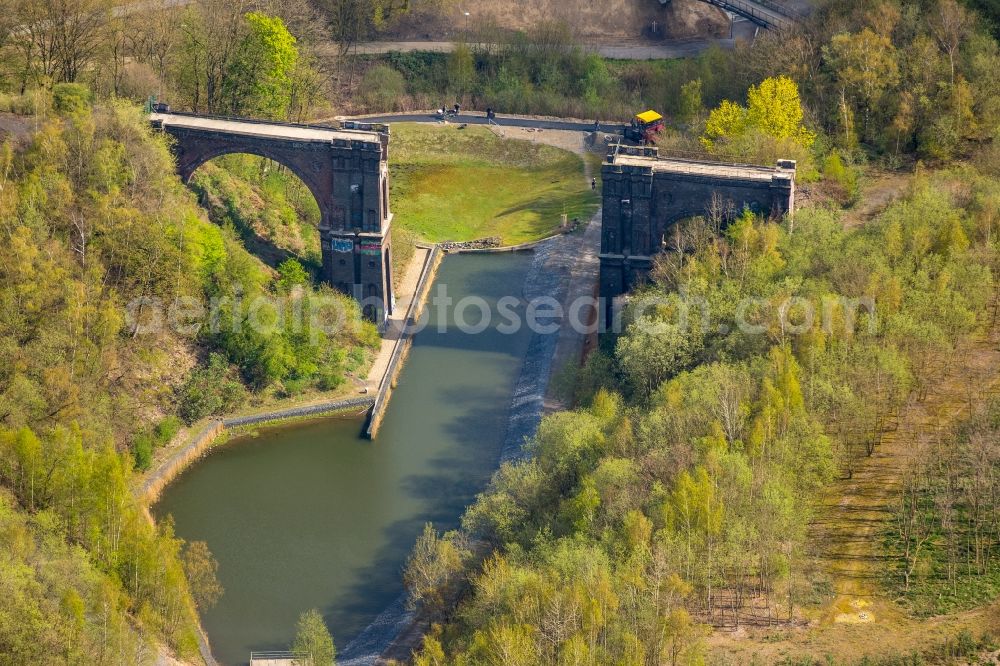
[{"x": 645, "y": 127}]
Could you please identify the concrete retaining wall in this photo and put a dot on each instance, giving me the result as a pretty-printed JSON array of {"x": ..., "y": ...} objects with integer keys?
[
  {"x": 167, "y": 472},
  {"x": 295, "y": 412}
]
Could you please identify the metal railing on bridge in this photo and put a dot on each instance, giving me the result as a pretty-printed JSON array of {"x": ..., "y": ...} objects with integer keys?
[
  {"x": 280, "y": 658},
  {"x": 765, "y": 13}
]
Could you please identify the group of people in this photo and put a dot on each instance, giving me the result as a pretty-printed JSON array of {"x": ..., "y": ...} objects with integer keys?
[
  {"x": 456, "y": 109},
  {"x": 450, "y": 111}
]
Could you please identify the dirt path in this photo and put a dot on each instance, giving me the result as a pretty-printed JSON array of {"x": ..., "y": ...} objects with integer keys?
[
  {"x": 877, "y": 194},
  {"x": 846, "y": 537}
]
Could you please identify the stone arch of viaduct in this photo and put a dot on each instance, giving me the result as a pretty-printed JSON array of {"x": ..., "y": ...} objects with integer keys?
[{"x": 345, "y": 169}]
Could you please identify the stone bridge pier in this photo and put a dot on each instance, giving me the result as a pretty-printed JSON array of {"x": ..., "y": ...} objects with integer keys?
[
  {"x": 645, "y": 195},
  {"x": 346, "y": 170}
]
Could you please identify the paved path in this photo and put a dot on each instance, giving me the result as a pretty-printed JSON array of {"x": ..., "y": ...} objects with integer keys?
[{"x": 477, "y": 118}]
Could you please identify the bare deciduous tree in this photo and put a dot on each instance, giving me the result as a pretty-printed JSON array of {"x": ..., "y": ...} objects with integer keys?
[
  {"x": 950, "y": 24},
  {"x": 59, "y": 37}
]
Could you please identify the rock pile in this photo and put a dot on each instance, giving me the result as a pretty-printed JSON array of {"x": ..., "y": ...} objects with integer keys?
[{"x": 478, "y": 244}]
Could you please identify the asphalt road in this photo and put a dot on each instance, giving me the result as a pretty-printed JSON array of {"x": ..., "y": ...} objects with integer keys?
[{"x": 479, "y": 118}]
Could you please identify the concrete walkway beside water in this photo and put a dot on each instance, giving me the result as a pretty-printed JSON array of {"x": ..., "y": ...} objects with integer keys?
[
  {"x": 397, "y": 321},
  {"x": 583, "y": 265}
]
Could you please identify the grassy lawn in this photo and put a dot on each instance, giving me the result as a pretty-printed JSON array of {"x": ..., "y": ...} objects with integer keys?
[{"x": 451, "y": 184}]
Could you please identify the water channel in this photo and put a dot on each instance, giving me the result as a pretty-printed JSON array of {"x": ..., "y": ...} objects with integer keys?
[{"x": 311, "y": 515}]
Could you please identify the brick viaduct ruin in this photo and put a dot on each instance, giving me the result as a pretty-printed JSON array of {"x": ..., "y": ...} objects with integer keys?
[
  {"x": 645, "y": 195},
  {"x": 345, "y": 169}
]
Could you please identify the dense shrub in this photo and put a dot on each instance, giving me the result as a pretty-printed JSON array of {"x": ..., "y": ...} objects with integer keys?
[
  {"x": 382, "y": 87},
  {"x": 842, "y": 177},
  {"x": 71, "y": 97},
  {"x": 213, "y": 389}
]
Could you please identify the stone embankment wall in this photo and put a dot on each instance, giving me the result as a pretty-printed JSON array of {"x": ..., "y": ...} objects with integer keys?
[
  {"x": 478, "y": 244},
  {"x": 209, "y": 434},
  {"x": 466, "y": 248}
]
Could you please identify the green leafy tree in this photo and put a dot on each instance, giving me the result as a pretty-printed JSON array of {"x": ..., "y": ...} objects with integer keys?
[
  {"x": 433, "y": 569},
  {"x": 695, "y": 512},
  {"x": 865, "y": 66},
  {"x": 71, "y": 97},
  {"x": 200, "y": 567},
  {"x": 653, "y": 352},
  {"x": 951, "y": 24},
  {"x": 692, "y": 105},
  {"x": 773, "y": 113},
  {"x": 844, "y": 176},
  {"x": 726, "y": 122},
  {"x": 461, "y": 70},
  {"x": 291, "y": 274},
  {"x": 312, "y": 638},
  {"x": 211, "y": 390},
  {"x": 382, "y": 87},
  {"x": 597, "y": 81},
  {"x": 259, "y": 79},
  {"x": 142, "y": 451},
  {"x": 774, "y": 108}
]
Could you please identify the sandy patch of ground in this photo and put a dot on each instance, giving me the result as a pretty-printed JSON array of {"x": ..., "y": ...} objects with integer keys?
[{"x": 15, "y": 126}]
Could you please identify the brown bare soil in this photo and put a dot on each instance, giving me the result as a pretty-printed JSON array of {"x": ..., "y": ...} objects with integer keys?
[
  {"x": 877, "y": 194},
  {"x": 14, "y": 126},
  {"x": 594, "y": 20}
]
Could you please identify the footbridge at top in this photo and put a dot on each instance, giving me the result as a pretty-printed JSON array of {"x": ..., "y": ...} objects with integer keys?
[
  {"x": 765, "y": 13},
  {"x": 346, "y": 169}
]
